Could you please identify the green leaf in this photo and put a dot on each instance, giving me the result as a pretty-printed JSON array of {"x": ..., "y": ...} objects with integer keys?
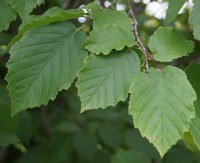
[
  {"x": 111, "y": 17},
  {"x": 7, "y": 123},
  {"x": 42, "y": 63},
  {"x": 7, "y": 138},
  {"x": 50, "y": 16},
  {"x": 179, "y": 154},
  {"x": 130, "y": 156},
  {"x": 162, "y": 106},
  {"x": 24, "y": 7},
  {"x": 173, "y": 9},
  {"x": 134, "y": 140},
  {"x": 192, "y": 138},
  {"x": 67, "y": 127},
  {"x": 6, "y": 15},
  {"x": 85, "y": 144},
  {"x": 105, "y": 80},
  {"x": 108, "y": 38},
  {"x": 110, "y": 135},
  {"x": 194, "y": 19},
  {"x": 189, "y": 141},
  {"x": 195, "y": 131},
  {"x": 168, "y": 44},
  {"x": 192, "y": 72},
  {"x": 111, "y": 30}
]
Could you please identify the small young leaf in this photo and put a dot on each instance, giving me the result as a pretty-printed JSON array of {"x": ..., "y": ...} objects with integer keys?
[
  {"x": 6, "y": 15},
  {"x": 173, "y": 9},
  {"x": 162, "y": 106},
  {"x": 50, "y": 16},
  {"x": 194, "y": 19},
  {"x": 168, "y": 44},
  {"x": 42, "y": 63},
  {"x": 108, "y": 38},
  {"x": 24, "y": 7},
  {"x": 130, "y": 156},
  {"x": 105, "y": 80},
  {"x": 111, "y": 30}
]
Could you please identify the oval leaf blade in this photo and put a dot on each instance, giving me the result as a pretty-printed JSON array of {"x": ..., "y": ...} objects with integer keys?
[
  {"x": 42, "y": 63},
  {"x": 105, "y": 80},
  {"x": 162, "y": 106}
]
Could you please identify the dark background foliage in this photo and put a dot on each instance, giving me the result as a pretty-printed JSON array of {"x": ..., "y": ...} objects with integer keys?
[{"x": 59, "y": 133}]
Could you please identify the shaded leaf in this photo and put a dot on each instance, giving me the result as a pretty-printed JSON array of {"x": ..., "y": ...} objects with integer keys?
[
  {"x": 104, "y": 81},
  {"x": 7, "y": 123},
  {"x": 50, "y": 16},
  {"x": 192, "y": 72},
  {"x": 24, "y": 7},
  {"x": 85, "y": 144},
  {"x": 6, "y": 15},
  {"x": 130, "y": 156},
  {"x": 110, "y": 135}
]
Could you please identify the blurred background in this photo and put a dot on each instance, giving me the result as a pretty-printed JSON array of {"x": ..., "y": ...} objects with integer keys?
[{"x": 59, "y": 133}]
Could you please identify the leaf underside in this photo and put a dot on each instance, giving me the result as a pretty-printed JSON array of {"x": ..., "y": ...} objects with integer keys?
[{"x": 162, "y": 106}]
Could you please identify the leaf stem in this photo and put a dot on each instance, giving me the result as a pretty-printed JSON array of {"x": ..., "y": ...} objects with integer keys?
[{"x": 146, "y": 53}]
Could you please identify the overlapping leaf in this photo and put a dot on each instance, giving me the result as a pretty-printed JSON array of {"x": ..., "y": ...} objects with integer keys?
[
  {"x": 193, "y": 141},
  {"x": 107, "y": 17},
  {"x": 50, "y": 16},
  {"x": 192, "y": 138},
  {"x": 7, "y": 123},
  {"x": 194, "y": 19},
  {"x": 111, "y": 30},
  {"x": 110, "y": 37},
  {"x": 105, "y": 80},
  {"x": 173, "y": 9},
  {"x": 162, "y": 106},
  {"x": 168, "y": 44},
  {"x": 42, "y": 63},
  {"x": 24, "y": 7},
  {"x": 130, "y": 156},
  {"x": 6, "y": 15}
]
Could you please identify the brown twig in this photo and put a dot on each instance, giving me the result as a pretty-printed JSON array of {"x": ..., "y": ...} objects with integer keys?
[{"x": 146, "y": 53}]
